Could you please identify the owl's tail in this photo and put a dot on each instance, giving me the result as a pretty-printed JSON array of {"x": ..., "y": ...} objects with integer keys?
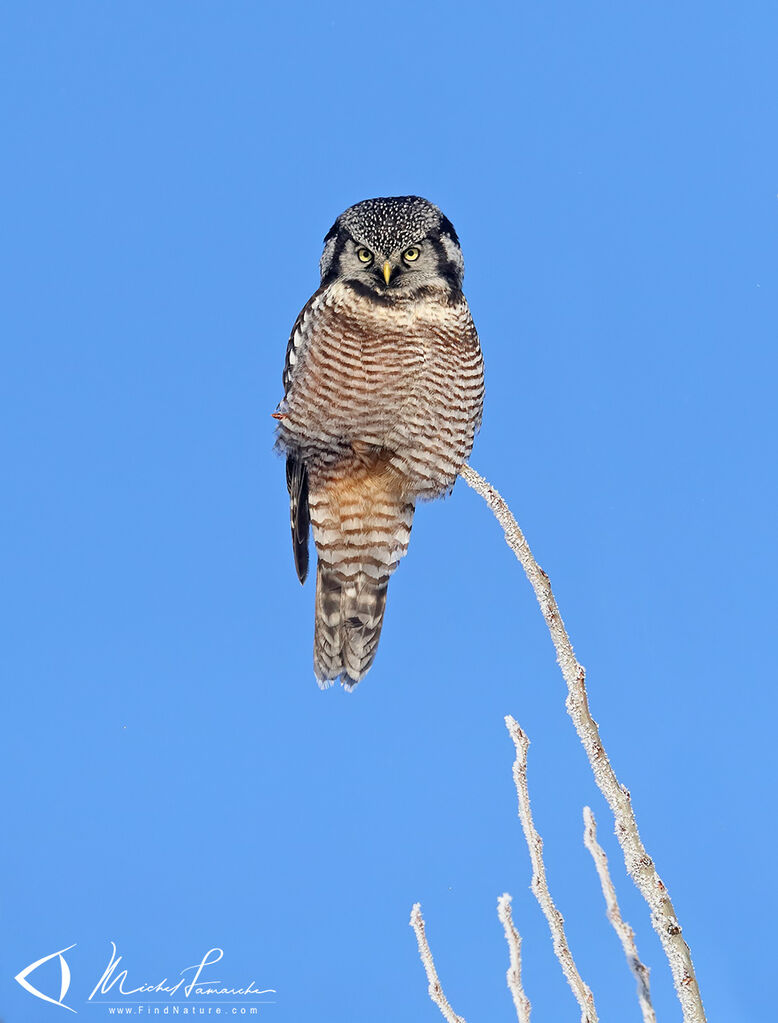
[{"x": 360, "y": 535}]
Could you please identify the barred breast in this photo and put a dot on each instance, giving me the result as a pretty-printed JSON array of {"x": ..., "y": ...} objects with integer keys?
[{"x": 403, "y": 375}]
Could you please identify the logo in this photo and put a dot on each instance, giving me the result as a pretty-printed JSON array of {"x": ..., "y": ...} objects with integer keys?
[{"x": 64, "y": 982}]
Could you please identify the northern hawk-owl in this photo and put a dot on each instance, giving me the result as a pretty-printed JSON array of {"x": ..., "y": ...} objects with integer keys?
[{"x": 383, "y": 393}]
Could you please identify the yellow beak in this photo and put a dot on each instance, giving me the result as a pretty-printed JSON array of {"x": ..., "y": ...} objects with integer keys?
[{"x": 387, "y": 271}]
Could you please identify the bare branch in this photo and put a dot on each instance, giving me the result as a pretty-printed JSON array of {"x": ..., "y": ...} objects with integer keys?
[
  {"x": 435, "y": 989},
  {"x": 639, "y": 864},
  {"x": 621, "y": 927},
  {"x": 513, "y": 975},
  {"x": 539, "y": 884}
]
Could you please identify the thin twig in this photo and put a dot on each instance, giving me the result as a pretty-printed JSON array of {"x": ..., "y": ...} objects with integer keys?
[
  {"x": 639, "y": 864},
  {"x": 513, "y": 975},
  {"x": 435, "y": 988},
  {"x": 539, "y": 884},
  {"x": 621, "y": 927}
]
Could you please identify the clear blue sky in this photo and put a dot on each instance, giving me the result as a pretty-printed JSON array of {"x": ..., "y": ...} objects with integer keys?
[{"x": 173, "y": 779}]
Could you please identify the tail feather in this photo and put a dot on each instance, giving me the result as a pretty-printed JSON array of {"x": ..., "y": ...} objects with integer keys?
[
  {"x": 349, "y": 616},
  {"x": 360, "y": 538}
]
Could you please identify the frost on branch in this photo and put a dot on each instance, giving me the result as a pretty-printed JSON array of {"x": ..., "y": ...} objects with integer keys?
[
  {"x": 625, "y": 933},
  {"x": 512, "y": 936},
  {"x": 639, "y": 864},
  {"x": 539, "y": 886},
  {"x": 435, "y": 988}
]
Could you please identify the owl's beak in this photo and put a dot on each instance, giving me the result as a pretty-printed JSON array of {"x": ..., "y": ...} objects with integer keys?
[{"x": 387, "y": 271}]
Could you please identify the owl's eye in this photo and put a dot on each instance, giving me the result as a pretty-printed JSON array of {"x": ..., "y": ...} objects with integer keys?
[
  {"x": 365, "y": 255},
  {"x": 410, "y": 255}
]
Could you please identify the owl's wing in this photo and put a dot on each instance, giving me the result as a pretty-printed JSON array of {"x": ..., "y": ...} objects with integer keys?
[
  {"x": 298, "y": 338},
  {"x": 296, "y": 473},
  {"x": 297, "y": 484}
]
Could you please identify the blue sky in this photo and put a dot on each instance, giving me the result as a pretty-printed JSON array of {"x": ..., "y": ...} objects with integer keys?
[{"x": 173, "y": 779}]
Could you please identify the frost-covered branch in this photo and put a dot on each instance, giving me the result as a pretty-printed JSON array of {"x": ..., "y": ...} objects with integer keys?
[
  {"x": 539, "y": 884},
  {"x": 435, "y": 989},
  {"x": 639, "y": 864},
  {"x": 621, "y": 927},
  {"x": 513, "y": 975}
]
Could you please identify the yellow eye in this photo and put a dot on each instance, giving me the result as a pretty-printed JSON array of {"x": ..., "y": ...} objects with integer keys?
[
  {"x": 410, "y": 255},
  {"x": 365, "y": 255}
]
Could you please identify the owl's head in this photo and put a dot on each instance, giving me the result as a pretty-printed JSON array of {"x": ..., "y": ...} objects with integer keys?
[{"x": 393, "y": 246}]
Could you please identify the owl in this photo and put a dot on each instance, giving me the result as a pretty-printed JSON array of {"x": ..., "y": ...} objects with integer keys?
[{"x": 383, "y": 394}]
